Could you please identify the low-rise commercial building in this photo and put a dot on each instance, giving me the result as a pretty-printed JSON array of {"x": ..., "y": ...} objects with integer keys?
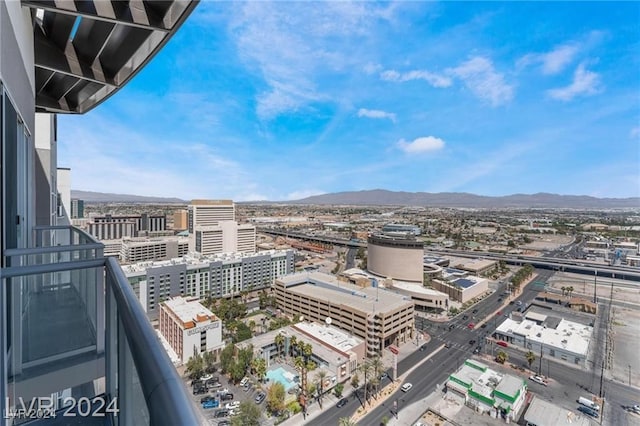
[
  {"x": 462, "y": 289},
  {"x": 334, "y": 350},
  {"x": 548, "y": 336},
  {"x": 135, "y": 250},
  {"x": 379, "y": 316},
  {"x": 190, "y": 328},
  {"x": 487, "y": 391},
  {"x": 544, "y": 413}
]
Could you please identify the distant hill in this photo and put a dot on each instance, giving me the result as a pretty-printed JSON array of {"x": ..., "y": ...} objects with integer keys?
[
  {"x": 101, "y": 197},
  {"x": 460, "y": 199}
]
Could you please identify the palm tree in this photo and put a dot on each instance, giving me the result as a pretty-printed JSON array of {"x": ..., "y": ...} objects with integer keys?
[
  {"x": 320, "y": 376},
  {"x": 259, "y": 365},
  {"x": 502, "y": 357},
  {"x": 530, "y": 356},
  {"x": 365, "y": 368},
  {"x": 346, "y": 421},
  {"x": 564, "y": 289},
  {"x": 570, "y": 290},
  {"x": 293, "y": 344},
  {"x": 279, "y": 341},
  {"x": 377, "y": 365}
]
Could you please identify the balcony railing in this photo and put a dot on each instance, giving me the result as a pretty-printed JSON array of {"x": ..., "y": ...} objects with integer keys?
[{"x": 77, "y": 333}]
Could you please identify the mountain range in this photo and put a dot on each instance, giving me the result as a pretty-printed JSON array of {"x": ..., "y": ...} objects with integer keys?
[
  {"x": 461, "y": 199},
  {"x": 400, "y": 198}
]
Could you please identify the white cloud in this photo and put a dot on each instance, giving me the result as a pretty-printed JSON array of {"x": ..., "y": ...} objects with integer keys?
[
  {"x": 436, "y": 80},
  {"x": 584, "y": 83},
  {"x": 423, "y": 144},
  {"x": 293, "y": 46},
  {"x": 634, "y": 133},
  {"x": 371, "y": 68},
  {"x": 374, "y": 113},
  {"x": 479, "y": 75},
  {"x": 551, "y": 62}
]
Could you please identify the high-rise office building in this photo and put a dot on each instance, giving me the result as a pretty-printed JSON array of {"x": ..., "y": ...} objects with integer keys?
[
  {"x": 213, "y": 228},
  {"x": 77, "y": 208},
  {"x": 71, "y": 325},
  {"x": 180, "y": 220},
  {"x": 210, "y": 213}
]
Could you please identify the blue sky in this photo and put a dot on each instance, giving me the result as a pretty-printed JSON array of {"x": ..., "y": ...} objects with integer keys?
[{"x": 279, "y": 101}]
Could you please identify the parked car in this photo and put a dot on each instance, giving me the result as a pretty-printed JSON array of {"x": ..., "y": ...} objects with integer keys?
[
  {"x": 206, "y": 398},
  {"x": 588, "y": 411},
  {"x": 406, "y": 387},
  {"x": 224, "y": 423},
  {"x": 244, "y": 381},
  {"x": 232, "y": 405},
  {"x": 222, "y": 413},
  {"x": 502, "y": 343},
  {"x": 538, "y": 380},
  {"x": 341, "y": 403},
  {"x": 225, "y": 390},
  {"x": 199, "y": 389},
  {"x": 211, "y": 403},
  {"x": 226, "y": 396},
  {"x": 471, "y": 325},
  {"x": 260, "y": 397}
]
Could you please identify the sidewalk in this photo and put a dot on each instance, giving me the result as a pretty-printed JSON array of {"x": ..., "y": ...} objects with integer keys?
[{"x": 330, "y": 399}]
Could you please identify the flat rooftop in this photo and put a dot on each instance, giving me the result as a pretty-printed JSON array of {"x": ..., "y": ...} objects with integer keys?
[
  {"x": 568, "y": 335},
  {"x": 327, "y": 288},
  {"x": 195, "y": 260},
  {"x": 416, "y": 288},
  {"x": 544, "y": 413},
  {"x": 189, "y": 310},
  {"x": 330, "y": 336}
]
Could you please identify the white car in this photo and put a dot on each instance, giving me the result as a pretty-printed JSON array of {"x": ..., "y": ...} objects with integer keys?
[
  {"x": 232, "y": 405},
  {"x": 244, "y": 381},
  {"x": 406, "y": 387},
  {"x": 225, "y": 390},
  {"x": 538, "y": 379}
]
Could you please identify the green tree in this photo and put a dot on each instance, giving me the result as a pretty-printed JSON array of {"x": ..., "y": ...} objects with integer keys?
[
  {"x": 226, "y": 357},
  {"x": 275, "y": 397},
  {"x": 346, "y": 421},
  {"x": 248, "y": 415},
  {"x": 530, "y": 356},
  {"x": 279, "y": 341},
  {"x": 355, "y": 381},
  {"x": 338, "y": 389},
  {"x": 195, "y": 367},
  {"x": 237, "y": 371},
  {"x": 243, "y": 332},
  {"x": 320, "y": 376},
  {"x": 377, "y": 366},
  {"x": 209, "y": 359},
  {"x": 502, "y": 357},
  {"x": 564, "y": 290},
  {"x": 259, "y": 365}
]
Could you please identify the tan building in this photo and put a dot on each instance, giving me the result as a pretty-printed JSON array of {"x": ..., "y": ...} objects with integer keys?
[
  {"x": 399, "y": 258},
  {"x": 180, "y": 220},
  {"x": 189, "y": 327},
  {"x": 210, "y": 213},
  {"x": 377, "y": 315},
  {"x": 139, "y": 250},
  {"x": 462, "y": 289}
]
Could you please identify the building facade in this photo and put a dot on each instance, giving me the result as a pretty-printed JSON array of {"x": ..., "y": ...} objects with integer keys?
[
  {"x": 209, "y": 213},
  {"x": 376, "y": 315},
  {"x": 77, "y": 208},
  {"x": 487, "y": 391},
  {"x": 226, "y": 237},
  {"x": 136, "y": 250},
  {"x": 190, "y": 328},
  {"x": 399, "y": 258},
  {"x": 216, "y": 276}
]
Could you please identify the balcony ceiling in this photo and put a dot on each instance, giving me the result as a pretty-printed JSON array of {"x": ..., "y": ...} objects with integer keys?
[{"x": 85, "y": 50}]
